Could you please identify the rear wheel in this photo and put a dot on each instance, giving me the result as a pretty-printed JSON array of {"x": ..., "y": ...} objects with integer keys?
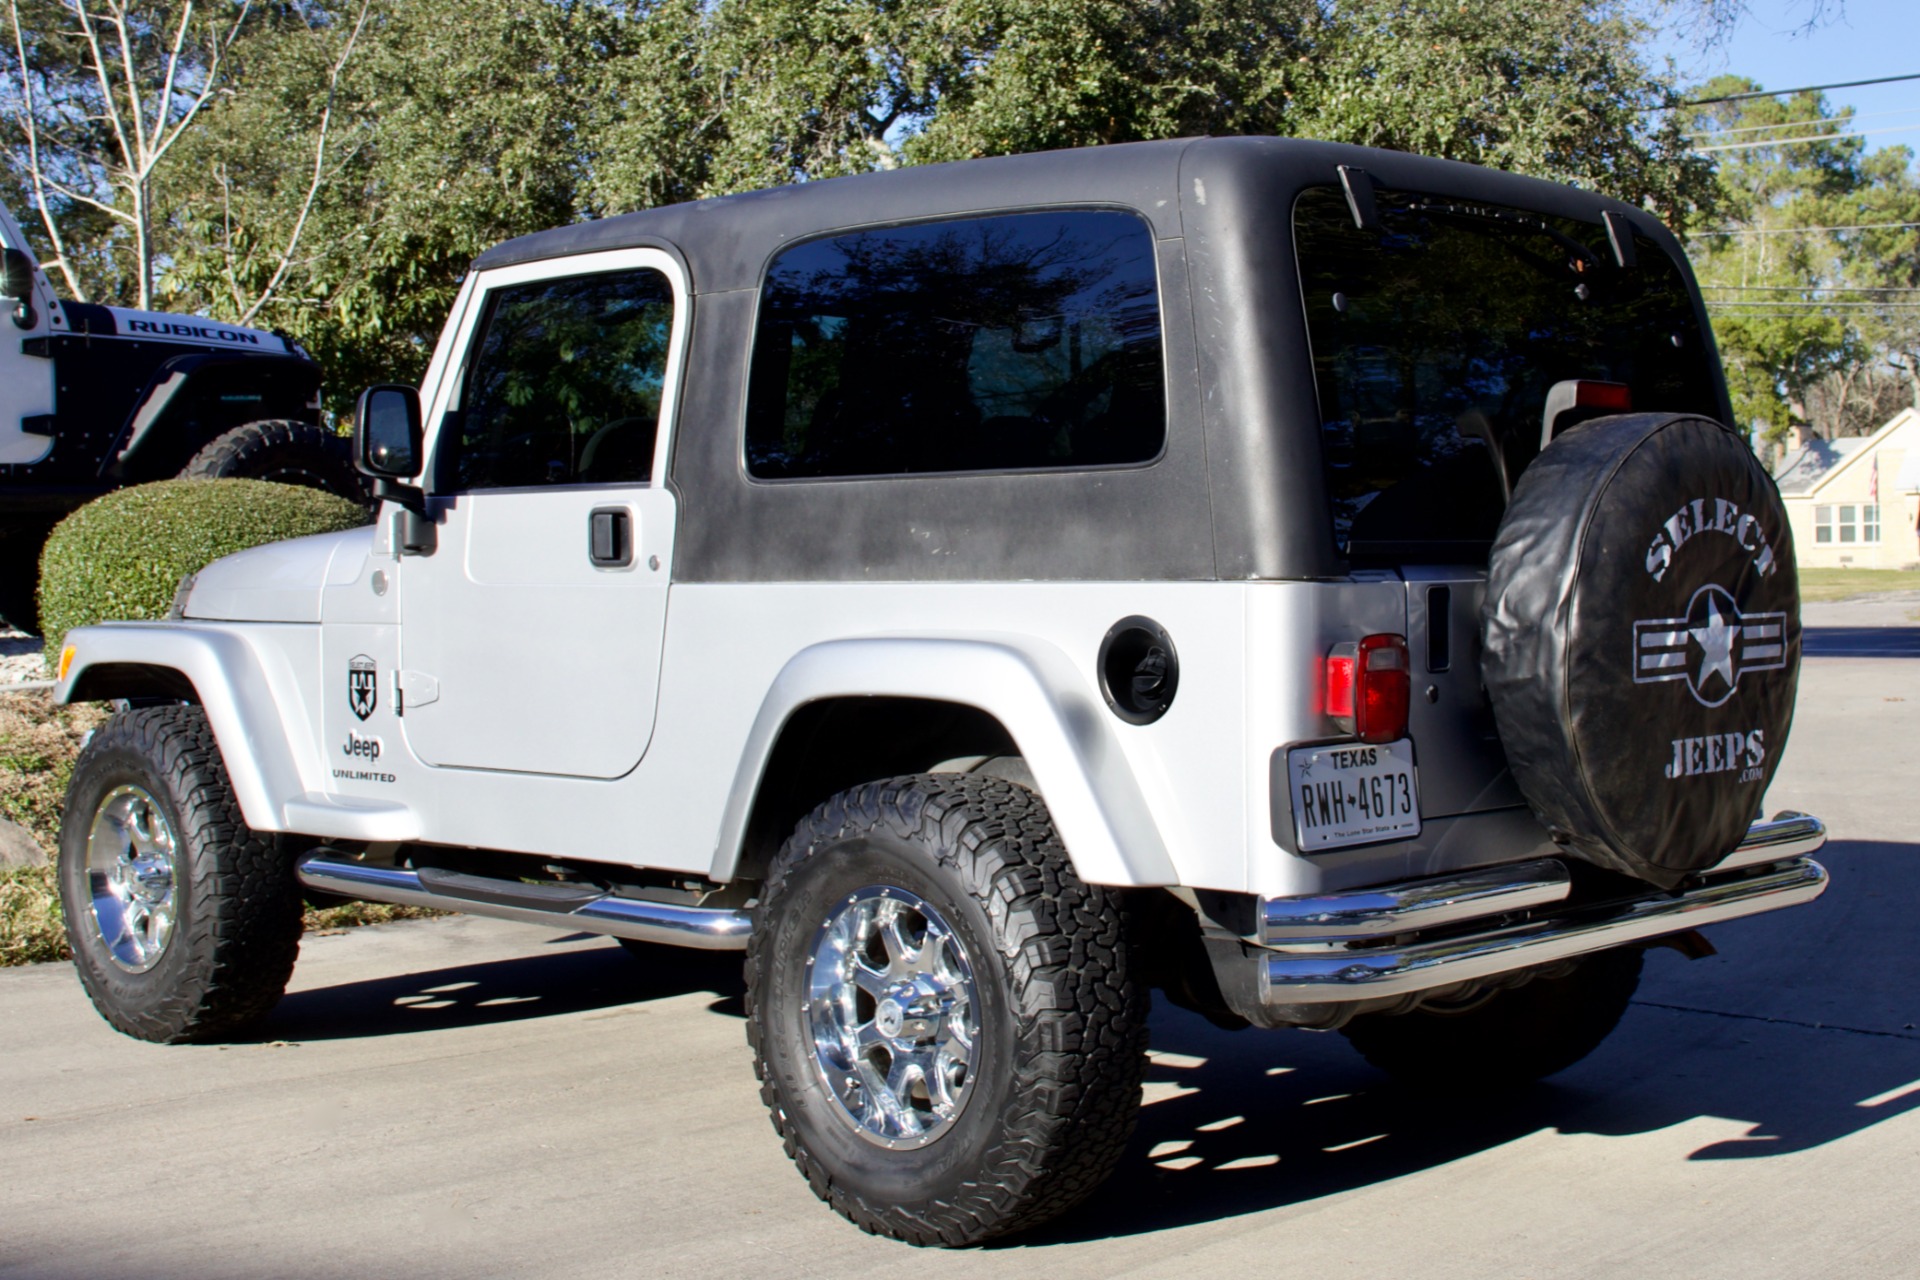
[
  {"x": 1504, "y": 1037},
  {"x": 281, "y": 451},
  {"x": 945, "y": 1024},
  {"x": 184, "y": 923}
]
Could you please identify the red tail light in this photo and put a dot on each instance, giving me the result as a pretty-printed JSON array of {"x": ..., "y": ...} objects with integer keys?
[
  {"x": 1615, "y": 397},
  {"x": 1368, "y": 685}
]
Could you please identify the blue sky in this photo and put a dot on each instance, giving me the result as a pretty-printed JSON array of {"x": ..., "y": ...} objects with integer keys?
[{"x": 1871, "y": 38}]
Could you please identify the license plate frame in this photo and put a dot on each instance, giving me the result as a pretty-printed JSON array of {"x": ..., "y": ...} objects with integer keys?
[{"x": 1347, "y": 794}]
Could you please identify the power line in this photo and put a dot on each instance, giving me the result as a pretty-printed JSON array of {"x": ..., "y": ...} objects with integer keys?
[
  {"x": 1818, "y": 137},
  {"x": 1787, "y": 231},
  {"x": 1781, "y": 93},
  {"x": 1794, "y": 124},
  {"x": 1813, "y": 288},
  {"x": 1738, "y": 304}
]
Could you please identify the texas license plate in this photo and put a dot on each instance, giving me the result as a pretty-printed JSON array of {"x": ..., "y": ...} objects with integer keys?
[{"x": 1353, "y": 793}]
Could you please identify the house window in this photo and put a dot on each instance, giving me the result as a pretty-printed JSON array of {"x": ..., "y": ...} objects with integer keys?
[{"x": 1846, "y": 523}]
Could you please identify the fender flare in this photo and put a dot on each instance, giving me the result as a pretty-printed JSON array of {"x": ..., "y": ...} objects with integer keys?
[
  {"x": 227, "y": 679},
  {"x": 298, "y": 378},
  {"x": 1059, "y": 726}
]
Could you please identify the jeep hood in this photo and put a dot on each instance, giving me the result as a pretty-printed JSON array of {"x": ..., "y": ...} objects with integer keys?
[
  {"x": 280, "y": 582},
  {"x": 158, "y": 326}
]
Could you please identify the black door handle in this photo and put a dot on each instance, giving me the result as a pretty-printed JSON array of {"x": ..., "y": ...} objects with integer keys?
[{"x": 610, "y": 537}]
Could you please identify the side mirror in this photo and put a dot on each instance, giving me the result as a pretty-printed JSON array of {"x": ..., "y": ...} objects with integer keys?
[
  {"x": 16, "y": 275},
  {"x": 387, "y": 439},
  {"x": 16, "y": 286}
]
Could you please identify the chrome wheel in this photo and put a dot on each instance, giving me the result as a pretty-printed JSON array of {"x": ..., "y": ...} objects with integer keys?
[
  {"x": 892, "y": 1011},
  {"x": 131, "y": 877}
]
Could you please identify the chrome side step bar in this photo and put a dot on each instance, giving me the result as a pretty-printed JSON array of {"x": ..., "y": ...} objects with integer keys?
[{"x": 555, "y": 906}]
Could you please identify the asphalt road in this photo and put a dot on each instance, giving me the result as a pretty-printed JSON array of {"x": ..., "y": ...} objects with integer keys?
[{"x": 475, "y": 1099}]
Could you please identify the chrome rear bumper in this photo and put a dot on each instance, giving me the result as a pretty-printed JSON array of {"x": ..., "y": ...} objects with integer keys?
[{"x": 1369, "y": 944}]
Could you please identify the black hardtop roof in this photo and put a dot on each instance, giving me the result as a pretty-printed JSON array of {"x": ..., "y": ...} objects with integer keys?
[{"x": 726, "y": 241}]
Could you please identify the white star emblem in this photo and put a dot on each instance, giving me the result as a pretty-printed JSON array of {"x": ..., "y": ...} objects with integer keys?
[{"x": 1716, "y": 645}]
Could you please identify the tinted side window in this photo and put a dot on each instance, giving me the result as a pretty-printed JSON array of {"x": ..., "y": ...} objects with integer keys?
[
  {"x": 1010, "y": 343},
  {"x": 563, "y": 384}
]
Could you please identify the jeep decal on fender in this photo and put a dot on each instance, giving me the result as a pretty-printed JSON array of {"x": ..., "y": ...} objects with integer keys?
[
  {"x": 363, "y": 685},
  {"x": 1710, "y": 648}
]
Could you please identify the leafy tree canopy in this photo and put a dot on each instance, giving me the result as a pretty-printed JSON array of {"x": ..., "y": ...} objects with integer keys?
[
  {"x": 1812, "y": 271},
  {"x": 354, "y": 155}
]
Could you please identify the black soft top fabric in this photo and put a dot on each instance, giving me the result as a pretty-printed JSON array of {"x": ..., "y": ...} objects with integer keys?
[
  {"x": 1239, "y": 494},
  {"x": 727, "y": 240}
]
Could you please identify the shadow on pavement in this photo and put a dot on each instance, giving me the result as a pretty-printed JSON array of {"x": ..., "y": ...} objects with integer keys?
[
  {"x": 1800, "y": 1030},
  {"x": 1860, "y": 642},
  {"x": 555, "y": 982}
]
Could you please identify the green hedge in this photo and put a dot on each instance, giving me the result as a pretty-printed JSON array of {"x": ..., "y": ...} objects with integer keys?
[{"x": 122, "y": 556}]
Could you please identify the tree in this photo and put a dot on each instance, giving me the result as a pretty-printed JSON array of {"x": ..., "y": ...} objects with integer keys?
[
  {"x": 346, "y": 159},
  {"x": 768, "y": 91},
  {"x": 1553, "y": 88},
  {"x": 454, "y": 127},
  {"x": 101, "y": 91},
  {"x": 1803, "y": 275}
]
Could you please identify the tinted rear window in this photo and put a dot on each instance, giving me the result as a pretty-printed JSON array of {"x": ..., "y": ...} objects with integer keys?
[
  {"x": 1436, "y": 340},
  {"x": 1023, "y": 342}
]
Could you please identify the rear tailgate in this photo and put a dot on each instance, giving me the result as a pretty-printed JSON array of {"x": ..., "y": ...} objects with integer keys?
[{"x": 1463, "y": 768}]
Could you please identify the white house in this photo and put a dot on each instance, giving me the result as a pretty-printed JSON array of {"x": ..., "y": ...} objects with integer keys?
[{"x": 1855, "y": 503}]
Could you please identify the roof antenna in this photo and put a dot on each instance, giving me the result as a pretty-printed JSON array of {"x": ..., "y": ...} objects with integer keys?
[{"x": 1359, "y": 189}]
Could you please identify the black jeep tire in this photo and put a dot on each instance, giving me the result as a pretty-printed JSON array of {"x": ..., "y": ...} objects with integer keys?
[
  {"x": 1507, "y": 1037},
  {"x": 1033, "y": 962},
  {"x": 150, "y": 796},
  {"x": 281, "y": 451}
]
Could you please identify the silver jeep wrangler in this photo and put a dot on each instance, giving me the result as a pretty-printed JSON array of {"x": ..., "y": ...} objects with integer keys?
[{"x": 1314, "y": 582}]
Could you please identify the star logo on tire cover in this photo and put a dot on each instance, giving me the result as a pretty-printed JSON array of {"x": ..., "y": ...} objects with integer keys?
[{"x": 1710, "y": 648}]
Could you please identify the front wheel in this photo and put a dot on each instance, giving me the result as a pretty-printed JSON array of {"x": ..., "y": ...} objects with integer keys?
[
  {"x": 945, "y": 1024},
  {"x": 184, "y": 923},
  {"x": 1504, "y": 1037}
]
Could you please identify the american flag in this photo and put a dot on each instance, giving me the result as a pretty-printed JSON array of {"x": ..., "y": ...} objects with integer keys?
[{"x": 1873, "y": 481}]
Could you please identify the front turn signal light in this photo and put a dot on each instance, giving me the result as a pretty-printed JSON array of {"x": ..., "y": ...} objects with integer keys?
[{"x": 66, "y": 660}]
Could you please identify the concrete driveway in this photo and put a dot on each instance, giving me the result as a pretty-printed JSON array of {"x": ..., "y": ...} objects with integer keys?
[{"x": 475, "y": 1099}]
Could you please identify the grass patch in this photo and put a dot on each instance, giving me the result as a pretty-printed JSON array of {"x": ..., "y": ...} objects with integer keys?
[
  {"x": 38, "y": 743},
  {"x": 1844, "y": 584},
  {"x": 31, "y": 928}
]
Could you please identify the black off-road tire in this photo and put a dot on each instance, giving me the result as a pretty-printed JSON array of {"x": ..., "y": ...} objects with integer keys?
[
  {"x": 281, "y": 451},
  {"x": 1061, "y": 1039},
  {"x": 1508, "y": 1038},
  {"x": 237, "y": 904}
]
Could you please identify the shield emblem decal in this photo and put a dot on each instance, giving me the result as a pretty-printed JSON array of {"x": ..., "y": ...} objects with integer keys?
[{"x": 363, "y": 685}]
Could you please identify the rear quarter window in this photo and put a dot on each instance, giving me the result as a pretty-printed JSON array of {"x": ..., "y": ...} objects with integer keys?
[{"x": 1021, "y": 342}]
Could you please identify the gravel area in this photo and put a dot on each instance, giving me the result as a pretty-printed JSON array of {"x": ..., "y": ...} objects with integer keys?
[{"x": 19, "y": 657}]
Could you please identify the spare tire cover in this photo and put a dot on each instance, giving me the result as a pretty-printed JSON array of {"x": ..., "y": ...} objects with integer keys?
[{"x": 1642, "y": 640}]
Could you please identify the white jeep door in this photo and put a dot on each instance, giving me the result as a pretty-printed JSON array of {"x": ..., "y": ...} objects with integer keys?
[
  {"x": 26, "y": 381},
  {"x": 530, "y": 637}
]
